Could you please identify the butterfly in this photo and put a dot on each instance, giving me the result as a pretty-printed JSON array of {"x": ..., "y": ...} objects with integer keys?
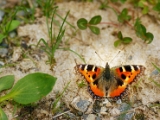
[{"x": 109, "y": 82}]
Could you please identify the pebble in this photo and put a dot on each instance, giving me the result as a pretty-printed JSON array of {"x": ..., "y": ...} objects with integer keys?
[
  {"x": 103, "y": 110},
  {"x": 1, "y": 63},
  {"x": 91, "y": 117},
  {"x": 17, "y": 51},
  {"x": 12, "y": 34},
  {"x": 80, "y": 105},
  {"x": 155, "y": 72},
  {"x": 1, "y": 15},
  {"x": 115, "y": 112},
  {"x": 98, "y": 118},
  {"x": 124, "y": 108},
  {"x": 3, "y": 52}
]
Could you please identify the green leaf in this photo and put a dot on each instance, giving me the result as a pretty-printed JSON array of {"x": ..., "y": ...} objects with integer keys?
[
  {"x": 82, "y": 23},
  {"x": 140, "y": 31},
  {"x": 12, "y": 25},
  {"x": 157, "y": 7},
  {"x": 138, "y": 22},
  {"x": 120, "y": 36},
  {"x": 145, "y": 10},
  {"x": 95, "y": 30},
  {"x": 3, "y": 116},
  {"x": 32, "y": 87},
  {"x": 6, "y": 82},
  {"x": 141, "y": 3},
  {"x": 95, "y": 20},
  {"x": 2, "y": 37},
  {"x": 103, "y": 5},
  {"x": 117, "y": 43},
  {"x": 127, "y": 40},
  {"x": 124, "y": 16},
  {"x": 81, "y": 84},
  {"x": 149, "y": 37}
]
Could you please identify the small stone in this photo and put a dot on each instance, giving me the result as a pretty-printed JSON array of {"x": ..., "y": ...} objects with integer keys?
[
  {"x": 107, "y": 103},
  {"x": 115, "y": 112},
  {"x": 155, "y": 72},
  {"x": 71, "y": 116},
  {"x": 98, "y": 118},
  {"x": 1, "y": 14},
  {"x": 83, "y": 105},
  {"x": 4, "y": 45},
  {"x": 1, "y": 63},
  {"x": 119, "y": 101},
  {"x": 20, "y": 13},
  {"x": 103, "y": 110},
  {"x": 16, "y": 53},
  {"x": 91, "y": 117},
  {"x": 3, "y": 52},
  {"x": 79, "y": 113},
  {"x": 123, "y": 108},
  {"x": 80, "y": 105},
  {"x": 12, "y": 34}
]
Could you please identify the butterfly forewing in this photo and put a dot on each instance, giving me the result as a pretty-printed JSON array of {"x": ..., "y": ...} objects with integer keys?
[{"x": 90, "y": 72}]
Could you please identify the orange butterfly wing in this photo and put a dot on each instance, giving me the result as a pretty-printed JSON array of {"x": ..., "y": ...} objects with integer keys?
[
  {"x": 124, "y": 75},
  {"x": 92, "y": 73}
]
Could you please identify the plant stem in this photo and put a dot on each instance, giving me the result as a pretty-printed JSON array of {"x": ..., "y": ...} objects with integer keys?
[{"x": 6, "y": 97}]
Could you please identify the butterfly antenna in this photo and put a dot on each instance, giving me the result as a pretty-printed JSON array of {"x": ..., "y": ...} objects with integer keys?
[
  {"x": 114, "y": 57},
  {"x": 99, "y": 56}
]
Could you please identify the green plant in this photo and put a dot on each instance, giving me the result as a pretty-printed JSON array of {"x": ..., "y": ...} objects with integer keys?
[
  {"x": 123, "y": 16},
  {"x": 8, "y": 26},
  {"x": 122, "y": 40},
  {"x": 54, "y": 105},
  {"x": 157, "y": 7},
  {"x": 81, "y": 84},
  {"x": 142, "y": 4},
  {"x": 74, "y": 53},
  {"x": 46, "y": 6},
  {"x": 28, "y": 9},
  {"x": 82, "y": 24},
  {"x": 28, "y": 89},
  {"x": 158, "y": 69},
  {"x": 54, "y": 42},
  {"x": 3, "y": 116},
  {"x": 11, "y": 21},
  {"x": 142, "y": 33}
]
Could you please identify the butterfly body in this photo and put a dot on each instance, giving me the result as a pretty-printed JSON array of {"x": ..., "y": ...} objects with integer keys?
[{"x": 106, "y": 82}]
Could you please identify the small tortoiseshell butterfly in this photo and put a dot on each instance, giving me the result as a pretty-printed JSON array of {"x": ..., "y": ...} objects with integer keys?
[{"x": 106, "y": 82}]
